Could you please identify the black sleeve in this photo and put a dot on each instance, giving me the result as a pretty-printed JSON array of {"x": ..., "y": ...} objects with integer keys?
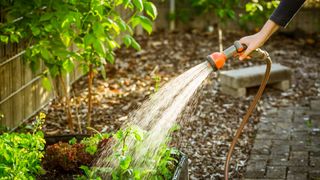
[{"x": 285, "y": 11}]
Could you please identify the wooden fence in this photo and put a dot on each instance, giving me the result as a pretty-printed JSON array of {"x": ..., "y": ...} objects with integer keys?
[{"x": 21, "y": 91}]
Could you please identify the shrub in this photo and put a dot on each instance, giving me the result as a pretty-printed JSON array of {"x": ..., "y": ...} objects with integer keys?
[
  {"x": 257, "y": 12},
  {"x": 21, "y": 153}
]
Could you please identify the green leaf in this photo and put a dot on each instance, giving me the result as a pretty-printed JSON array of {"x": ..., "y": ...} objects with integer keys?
[
  {"x": 98, "y": 31},
  {"x": 45, "y": 53},
  {"x": 88, "y": 40},
  {"x": 137, "y": 135},
  {"x": 121, "y": 24},
  {"x": 4, "y": 38},
  {"x": 115, "y": 27},
  {"x": 46, "y": 17},
  {"x": 73, "y": 141},
  {"x": 85, "y": 68},
  {"x": 125, "y": 162},
  {"x": 127, "y": 40},
  {"x": 66, "y": 39},
  {"x": 35, "y": 30},
  {"x": 119, "y": 134},
  {"x": 103, "y": 72},
  {"x": 126, "y": 3},
  {"x": 68, "y": 65},
  {"x": 138, "y": 4},
  {"x": 137, "y": 174},
  {"x": 110, "y": 58},
  {"x": 91, "y": 149},
  {"x": 48, "y": 27},
  {"x": 146, "y": 24},
  {"x": 54, "y": 71},
  {"x": 112, "y": 44},
  {"x": 135, "y": 44},
  {"x": 14, "y": 38},
  {"x": 151, "y": 10},
  {"x": 46, "y": 83},
  {"x": 84, "y": 168},
  {"x": 99, "y": 48}
]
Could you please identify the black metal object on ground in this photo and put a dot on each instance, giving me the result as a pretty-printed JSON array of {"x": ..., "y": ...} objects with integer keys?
[{"x": 181, "y": 172}]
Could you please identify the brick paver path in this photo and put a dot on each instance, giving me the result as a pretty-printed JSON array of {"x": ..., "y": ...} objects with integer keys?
[{"x": 287, "y": 145}]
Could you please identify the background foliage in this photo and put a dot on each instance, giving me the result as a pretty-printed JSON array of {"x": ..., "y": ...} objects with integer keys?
[{"x": 60, "y": 33}]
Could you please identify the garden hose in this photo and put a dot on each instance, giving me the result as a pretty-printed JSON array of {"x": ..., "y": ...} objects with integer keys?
[
  {"x": 263, "y": 55},
  {"x": 216, "y": 61}
]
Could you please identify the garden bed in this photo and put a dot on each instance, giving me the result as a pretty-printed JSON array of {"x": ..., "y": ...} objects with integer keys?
[
  {"x": 206, "y": 135},
  {"x": 64, "y": 156}
]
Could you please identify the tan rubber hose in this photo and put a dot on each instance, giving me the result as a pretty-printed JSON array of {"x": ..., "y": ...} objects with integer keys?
[{"x": 264, "y": 56}]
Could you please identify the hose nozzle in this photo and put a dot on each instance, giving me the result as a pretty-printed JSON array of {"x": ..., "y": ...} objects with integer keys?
[{"x": 218, "y": 59}]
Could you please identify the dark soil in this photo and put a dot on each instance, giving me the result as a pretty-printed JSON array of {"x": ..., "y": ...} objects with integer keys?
[{"x": 206, "y": 136}]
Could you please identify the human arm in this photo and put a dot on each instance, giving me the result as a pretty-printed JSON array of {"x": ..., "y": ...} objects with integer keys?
[{"x": 280, "y": 17}]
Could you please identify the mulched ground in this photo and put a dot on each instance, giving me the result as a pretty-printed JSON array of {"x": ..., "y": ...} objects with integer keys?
[{"x": 206, "y": 136}]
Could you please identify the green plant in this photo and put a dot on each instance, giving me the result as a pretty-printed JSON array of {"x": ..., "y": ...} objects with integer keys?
[
  {"x": 167, "y": 163},
  {"x": 21, "y": 153},
  {"x": 89, "y": 173},
  {"x": 223, "y": 9},
  {"x": 62, "y": 32},
  {"x": 92, "y": 143},
  {"x": 157, "y": 80},
  {"x": 258, "y": 11}
]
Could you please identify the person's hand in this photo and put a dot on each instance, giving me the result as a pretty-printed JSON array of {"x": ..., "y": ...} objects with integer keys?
[
  {"x": 252, "y": 42},
  {"x": 257, "y": 40}
]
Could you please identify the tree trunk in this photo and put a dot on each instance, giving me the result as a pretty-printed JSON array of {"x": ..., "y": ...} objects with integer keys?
[
  {"x": 172, "y": 12},
  {"x": 90, "y": 79},
  {"x": 220, "y": 36},
  {"x": 68, "y": 106}
]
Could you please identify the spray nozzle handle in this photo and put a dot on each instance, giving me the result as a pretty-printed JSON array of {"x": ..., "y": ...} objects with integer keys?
[
  {"x": 239, "y": 47},
  {"x": 234, "y": 50},
  {"x": 259, "y": 54}
]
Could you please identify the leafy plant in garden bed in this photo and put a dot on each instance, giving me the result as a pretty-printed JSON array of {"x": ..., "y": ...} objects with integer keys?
[
  {"x": 73, "y": 156},
  {"x": 21, "y": 153},
  {"x": 62, "y": 32}
]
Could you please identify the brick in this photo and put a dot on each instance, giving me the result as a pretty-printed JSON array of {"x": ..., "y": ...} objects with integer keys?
[
  {"x": 256, "y": 169},
  {"x": 314, "y": 174},
  {"x": 305, "y": 147},
  {"x": 285, "y": 113},
  {"x": 300, "y": 169},
  {"x": 297, "y": 176},
  {"x": 234, "y": 92},
  {"x": 260, "y": 179},
  {"x": 276, "y": 172},
  {"x": 278, "y": 161},
  {"x": 283, "y": 85},
  {"x": 300, "y": 136},
  {"x": 255, "y": 174},
  {"x": 315, "y": 104},
  {"x": 298, "y": 162},
  {"x": 257, "y": 165},
  {"x": 282, "y": 149},
  {"x": 315, "y": 161},
  {"x": 314, "y": 154},
  {"x": 299, "y": 154},
  {"x": 259, "y": 157},
  {"x": 265, "y": 127},
  {"x": 251, "y": 76}
]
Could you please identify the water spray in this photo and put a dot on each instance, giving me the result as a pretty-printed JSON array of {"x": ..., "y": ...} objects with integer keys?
[{"x": 217, "y": 60}]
